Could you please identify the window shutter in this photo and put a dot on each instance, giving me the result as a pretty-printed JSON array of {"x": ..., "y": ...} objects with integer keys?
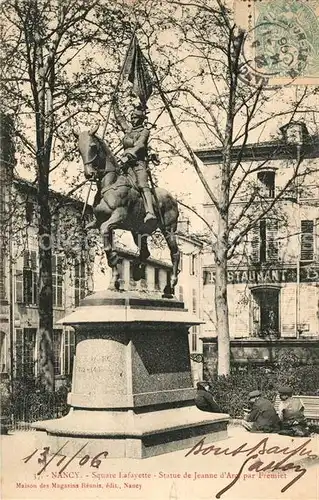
[
  {"x": 53, "y": 263},
  {"x": 35, "y": 288},
  {"x": 19, "y": 286},
  {"x": 19, "y": 352},
  {"x": 206, "y": 277},
  {"x": 60, "y": 265},
  {"x": 69, "y": 351},
  {"x": 57, "y": 343},
  {"x": 29, "y": 211},
  {"x": 181, "y": 261},
  {"x": 267, "y": 183},
  {"x": 272, "y": 243},
  {"x": 307, "y": 240},
  {"x": 77, "y": 269},
  {"x": 26, "y": 260},
  {"x": 255, "y": 243},
  {"x": 194, "y": 339},
  {"x": 33, "y": 260},
  {"x": 255, "y": 315},
  {"x": 194, "y": 301},
  {"x": 29, "y": 351},
  {"x": 27, "y": 286},
  {"x": 157, "y": 278}
]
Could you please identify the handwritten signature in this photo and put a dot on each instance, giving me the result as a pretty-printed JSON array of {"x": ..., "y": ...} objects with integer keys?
[
  {"x": 253, "y": 453},
  {"x": 44, "y": 459}
]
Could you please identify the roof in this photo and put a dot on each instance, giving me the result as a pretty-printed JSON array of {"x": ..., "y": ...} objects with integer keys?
[
  {"x": 64, "y": 197},
  {"x": 32, "y": 187},
  {"x": 272, "y": 150}
]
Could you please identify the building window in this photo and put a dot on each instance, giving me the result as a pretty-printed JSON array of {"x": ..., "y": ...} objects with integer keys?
[
  {"x": 266, "y": 181},
  {"x": 181, "y": 294},
  {"x": 25, "y": 352},
  {"x": 57, "y": 336},
  {"x": 69, "y": 351},
  {"x": 208, "y": 277},
  {"x": 307, "y": 240},
  {"x": 193, "y": 264},
  {"x": 265, "y": 312},
  {"x": 156, "y": 278},
  {"x": 265, "y": 244},
  {"x": 29, "y": 211},
  {"x": 57, "y": 280},
  {"x": 143, "y": 274},
  {"x": 183, "y": 226},
  {"x": 2, "y": 352},
  {"x": 27, "y": 280},
  {"x": 3, "y": 294},
  {"x": 132, "y": 274},
  {"x": 194, "y": 301},
  {"x": 181, "y": 255},
  {"x": 194, "y": 339},
  {"x": 120, "y": 268},
  {"x": 80, "y": 282}
]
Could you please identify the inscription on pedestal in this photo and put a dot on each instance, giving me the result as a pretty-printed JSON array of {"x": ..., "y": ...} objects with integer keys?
[
  {"x": 92, "y": 364},
  {"x": 99, "y": 367}
]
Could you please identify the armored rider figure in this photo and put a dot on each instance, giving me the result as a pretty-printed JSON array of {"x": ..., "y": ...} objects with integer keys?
[{"x": 135, "y": 154}]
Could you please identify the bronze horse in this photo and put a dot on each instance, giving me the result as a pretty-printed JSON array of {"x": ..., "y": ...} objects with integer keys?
[{"x": 118, "y": 205}]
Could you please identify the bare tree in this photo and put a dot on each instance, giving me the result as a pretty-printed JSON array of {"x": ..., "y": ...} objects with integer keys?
[
  {"x": 199, "y": 75},
  {"x": 51, "y": 77}
]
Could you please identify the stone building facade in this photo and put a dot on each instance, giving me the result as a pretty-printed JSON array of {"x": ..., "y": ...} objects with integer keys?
[
  {"x": 79, "y": 268},
  {"x": 273, "y": 277}
]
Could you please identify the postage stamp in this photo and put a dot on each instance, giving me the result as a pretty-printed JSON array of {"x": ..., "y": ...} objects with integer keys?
[{"x": 281, "y": 44}]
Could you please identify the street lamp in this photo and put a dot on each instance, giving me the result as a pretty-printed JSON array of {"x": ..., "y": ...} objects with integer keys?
[{"x": 295, "y": 133}]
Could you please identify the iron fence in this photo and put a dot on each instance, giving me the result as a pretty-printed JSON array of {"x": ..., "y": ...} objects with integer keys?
[{"x": 37, "y": 406}]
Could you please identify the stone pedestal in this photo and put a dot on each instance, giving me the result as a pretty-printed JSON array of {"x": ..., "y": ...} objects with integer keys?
[{"x": 132, "y": 391}]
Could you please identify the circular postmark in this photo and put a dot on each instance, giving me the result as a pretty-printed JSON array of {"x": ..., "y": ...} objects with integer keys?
[{"x": 282, "y": 45}]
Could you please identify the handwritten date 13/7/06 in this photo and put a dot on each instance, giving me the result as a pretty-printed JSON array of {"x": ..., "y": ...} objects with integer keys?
[{"x": 45, "y": 461}]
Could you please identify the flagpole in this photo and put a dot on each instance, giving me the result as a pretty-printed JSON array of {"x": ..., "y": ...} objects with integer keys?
[
  {"x": 110, "y": 107},
  {"x": 119, "y": 80},
  {"x": 87, "y": 200}
]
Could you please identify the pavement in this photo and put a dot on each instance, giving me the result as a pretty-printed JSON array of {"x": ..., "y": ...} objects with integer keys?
[{"x": 243, "y": 466}]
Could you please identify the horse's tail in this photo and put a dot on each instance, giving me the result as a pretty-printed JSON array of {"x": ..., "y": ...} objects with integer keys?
[{"x": 167, "y": 208}]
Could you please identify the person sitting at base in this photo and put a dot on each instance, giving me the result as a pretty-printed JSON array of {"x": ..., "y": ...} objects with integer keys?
[
  {"x": 204, "y": 399},
  {"x": 262, "y": 416},
  {"x": 291, "y": 414}
]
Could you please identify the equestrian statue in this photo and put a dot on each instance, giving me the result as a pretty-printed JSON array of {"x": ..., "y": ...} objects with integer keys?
[{"x": 124, "y": 198}]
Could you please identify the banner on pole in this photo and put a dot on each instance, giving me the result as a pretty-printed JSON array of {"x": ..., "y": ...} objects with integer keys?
[{"x": 137, "y": 72}]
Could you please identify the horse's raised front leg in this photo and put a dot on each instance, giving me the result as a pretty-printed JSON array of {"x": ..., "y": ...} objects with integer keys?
[
  {"x": 107, "y": 228},
  {"x": 95, "y": 224},
  {"x": 171, "y": 240}
]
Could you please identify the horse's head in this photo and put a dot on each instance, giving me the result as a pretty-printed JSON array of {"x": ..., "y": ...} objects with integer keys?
[{"x": 92, "y": 152}]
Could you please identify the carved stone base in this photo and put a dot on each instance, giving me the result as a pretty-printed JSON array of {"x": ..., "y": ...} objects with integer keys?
[
  {"x": 131, "y": 435},
  {"x": 132, "y": 392}
]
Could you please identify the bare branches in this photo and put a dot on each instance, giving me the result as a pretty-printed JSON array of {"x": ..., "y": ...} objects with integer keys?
[
  {"x": 184, "y": 141},
  {"x": 211, "y": 230}
]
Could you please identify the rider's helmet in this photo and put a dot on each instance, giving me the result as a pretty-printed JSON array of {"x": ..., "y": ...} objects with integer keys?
[{"x": 139, "y": 111}]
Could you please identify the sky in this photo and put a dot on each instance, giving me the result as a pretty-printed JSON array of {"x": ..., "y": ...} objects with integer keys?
[{"x": 175, "y": 174}]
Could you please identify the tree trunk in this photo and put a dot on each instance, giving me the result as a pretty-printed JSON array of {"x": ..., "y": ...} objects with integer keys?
[
  {"x": 221, "y": 304},
  {"x": 45, "y": 331}
]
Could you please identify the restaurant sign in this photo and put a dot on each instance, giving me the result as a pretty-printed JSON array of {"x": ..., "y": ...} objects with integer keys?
[{"x": 308, "y": 274}]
